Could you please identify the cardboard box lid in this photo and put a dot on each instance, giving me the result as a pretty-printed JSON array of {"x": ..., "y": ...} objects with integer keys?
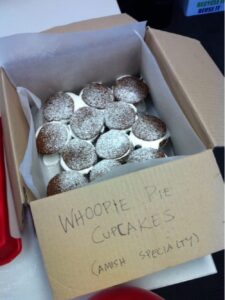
[
  {"x": 15, "y": 133},
  {"x": 195, "y": 81},
  {"x": 143, "y": 222}
]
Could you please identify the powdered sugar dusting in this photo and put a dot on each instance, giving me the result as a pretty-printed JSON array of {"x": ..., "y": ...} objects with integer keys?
[
  {"x": 144, "y": 154},
  {"x": 149, "y": 128},
  {"x": 113, "y": 144},
  {"x": 97, "y": 95},
  {"x": 79, "y": 154},
  {"x": 102, "y": 168},
  {"x": 51, "y": 138},
  {"x": 119, "y": 115},
  {"x": 58, "y": 107},
  {"x": 87, "y": 122},
  {"x": 65, "y": 181},
  {"x": 130, "y": 89}
]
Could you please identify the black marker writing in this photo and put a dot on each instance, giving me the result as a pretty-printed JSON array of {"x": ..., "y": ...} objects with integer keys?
[
  {"x": 77, "y": 218},
  {"x": 98, "y": 268},
  {"x": 100, "y": 234}
]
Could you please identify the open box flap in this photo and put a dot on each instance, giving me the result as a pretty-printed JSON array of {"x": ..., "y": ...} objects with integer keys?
[
  {"x": 195, "y": 81},
  {"x": 151, "y": 220},
  {"x": 15, "y": 141}
]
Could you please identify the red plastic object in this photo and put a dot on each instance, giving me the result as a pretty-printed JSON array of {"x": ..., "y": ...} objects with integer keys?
[
  {"x": 9, "y": 247},
  {"x": 125, "y": 293}
]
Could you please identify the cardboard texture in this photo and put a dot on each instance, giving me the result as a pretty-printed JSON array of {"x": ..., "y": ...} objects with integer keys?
[
  {"x": 15, "y": 139},
  {"x": 145, "y": 221},
  {"x": 200, "y": 93},
  {"x": 130, "y": 226}
]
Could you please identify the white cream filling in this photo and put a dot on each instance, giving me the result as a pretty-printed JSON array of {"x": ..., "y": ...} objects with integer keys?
[
  {"x": 103, "y": 129},
  {"x": 125, "y": 155},
  {"x": 90, "y": 140},
  {"x": 152, "y": 144},
  {"x": 77, "y": 100},
  {"x": 66, "y": 168},
  {"x": 134, "y": 107},
  {"x": 122, "y": 76},
  {"x": 51, "y": 164},
  {"x": 53, "y": 122},
  {"x": 52, "y": 160}
]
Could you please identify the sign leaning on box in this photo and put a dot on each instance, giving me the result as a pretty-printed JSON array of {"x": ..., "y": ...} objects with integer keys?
[{"x": 196, "y": 7}]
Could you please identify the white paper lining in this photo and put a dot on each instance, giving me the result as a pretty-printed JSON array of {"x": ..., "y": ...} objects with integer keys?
[{"x": 46, "y": 62}]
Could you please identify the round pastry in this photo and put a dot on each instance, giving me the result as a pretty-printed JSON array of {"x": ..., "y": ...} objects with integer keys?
[
  {"x": 97, "y": 95},
  {"x": 87, "y": 122},
  {"x": 65, "y": 181},
  {"x": 58, "y": 107},
  {"x": 149, "y": 128},
  {"x": 130, "y": 89},
  {"x": 143, "y": 154},
  {"x": 103, "y": 167},
  {"x": 113, "y": 144},
  {"x": 52, "y": 137},
  {"x": 119, "y": 115},
  {"x": 149, "y": 131},
  {"x": 78, "y": 155}
]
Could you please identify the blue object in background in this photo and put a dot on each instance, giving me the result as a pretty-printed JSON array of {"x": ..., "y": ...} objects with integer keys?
[{"x": 200, "y": 7}]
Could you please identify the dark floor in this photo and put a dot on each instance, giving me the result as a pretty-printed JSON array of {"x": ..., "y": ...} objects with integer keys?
[{"x": 209, "y": 29}]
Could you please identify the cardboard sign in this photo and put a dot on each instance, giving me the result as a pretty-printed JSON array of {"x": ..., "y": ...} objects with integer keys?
[{"x": 118, "y": 230}]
